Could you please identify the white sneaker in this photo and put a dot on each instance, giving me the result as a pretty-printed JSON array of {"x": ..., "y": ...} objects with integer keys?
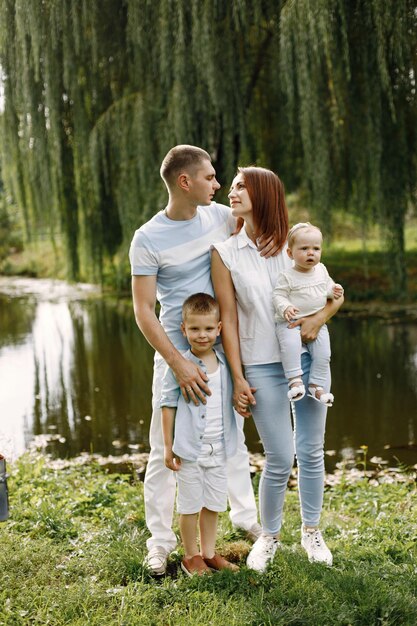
[
  {"x": 156, "y": 561},
  {"x": 262, "y": 552},
  {"x": 315, "y": 546}
]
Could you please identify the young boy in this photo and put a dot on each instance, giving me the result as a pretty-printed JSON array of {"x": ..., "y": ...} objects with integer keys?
[{"x": 205, "y": 436}]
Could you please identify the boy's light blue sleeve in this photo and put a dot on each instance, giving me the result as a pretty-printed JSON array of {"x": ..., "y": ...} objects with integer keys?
[{"x": 170, "y": 390}]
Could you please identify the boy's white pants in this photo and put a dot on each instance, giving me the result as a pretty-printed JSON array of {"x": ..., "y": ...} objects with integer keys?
[{"x": 160, "y": 485}]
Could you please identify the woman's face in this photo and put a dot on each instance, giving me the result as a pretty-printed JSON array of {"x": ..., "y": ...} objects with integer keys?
[{"x": 240, "y": 202}]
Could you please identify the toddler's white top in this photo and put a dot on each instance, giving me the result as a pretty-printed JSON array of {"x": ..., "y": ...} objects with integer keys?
[
  {"x": 308, "y": 291},
  {"x": 254, "y": 278}
]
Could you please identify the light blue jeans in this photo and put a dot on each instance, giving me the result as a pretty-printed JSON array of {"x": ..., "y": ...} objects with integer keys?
[
  {"x": 290, "y": 344},
  {"x": 273, "y": 422}
]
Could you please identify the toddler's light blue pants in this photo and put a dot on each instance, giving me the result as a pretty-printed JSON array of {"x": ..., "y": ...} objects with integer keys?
[{"x": 290, "y": 345}]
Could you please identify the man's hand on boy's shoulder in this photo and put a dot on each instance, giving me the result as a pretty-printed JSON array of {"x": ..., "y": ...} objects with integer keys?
[{"x": 191, "y": 380}]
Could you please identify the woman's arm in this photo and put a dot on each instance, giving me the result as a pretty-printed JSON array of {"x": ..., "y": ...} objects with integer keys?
[
  {"x": 225, "y": 295},
  {"x": 310, "y": 326}
]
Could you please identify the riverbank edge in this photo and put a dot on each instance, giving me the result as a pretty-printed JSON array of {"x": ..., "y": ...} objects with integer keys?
[
  {"x": 57, "y": 289},
  {"x": 374, "y": 470},
  {"x": 364, "y": 275}
]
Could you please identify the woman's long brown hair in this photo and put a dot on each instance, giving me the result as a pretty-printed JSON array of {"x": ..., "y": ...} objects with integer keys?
[{"x": 267, "y": 194}]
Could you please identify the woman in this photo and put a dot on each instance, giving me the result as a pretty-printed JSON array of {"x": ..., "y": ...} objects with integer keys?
[{"x": 243, "y": 282}]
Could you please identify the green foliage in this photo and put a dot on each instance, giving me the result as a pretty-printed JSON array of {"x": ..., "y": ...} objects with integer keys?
[
  {"x": 366, "y": 275},
  {"x": 96, "y": 93},
  {"x": 10, "y": 228},
  {"x": 72, "y": 553},
  {"x": 349, "y": 70}
]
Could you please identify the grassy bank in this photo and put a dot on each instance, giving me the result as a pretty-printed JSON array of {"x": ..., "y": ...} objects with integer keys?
[
  {"x": 71, "y": 553},
  {"x": 364, "y": 275}
]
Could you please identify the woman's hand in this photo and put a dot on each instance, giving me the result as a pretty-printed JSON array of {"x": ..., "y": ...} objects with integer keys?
[
  {"x": 310, "y": 327},
  {"x": 243, "y": 397}
]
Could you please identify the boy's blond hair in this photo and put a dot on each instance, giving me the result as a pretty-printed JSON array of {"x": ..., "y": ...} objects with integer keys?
[{"x": 201, "y": 304}]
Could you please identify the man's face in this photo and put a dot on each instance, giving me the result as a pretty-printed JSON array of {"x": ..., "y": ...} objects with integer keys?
[{"x": 202, "y": 184}]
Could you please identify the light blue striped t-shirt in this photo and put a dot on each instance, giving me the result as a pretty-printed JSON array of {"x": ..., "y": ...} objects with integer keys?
[{"x": 178, "y": 254}]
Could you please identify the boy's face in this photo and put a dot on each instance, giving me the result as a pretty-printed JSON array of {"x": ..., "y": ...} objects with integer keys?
[
  {"x": 306, "y": 249},
  {"x": 202, "y": 184},
  {"x": 201, "y": 330}
]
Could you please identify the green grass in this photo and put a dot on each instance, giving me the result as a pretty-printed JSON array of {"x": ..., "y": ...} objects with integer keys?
[
  {"x": 364, "y": 273},
  {"x": 72, "y": 550},
  {"x": 365, "y": 278}
]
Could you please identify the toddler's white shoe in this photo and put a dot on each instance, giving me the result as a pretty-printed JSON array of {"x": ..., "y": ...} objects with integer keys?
[
  {"x": 262, "y": 553},
  {"x": 324, "y": 398},
  {"x": 156, "y": 561},
  {"x": 313, "y": 543},
  {"x": 296, "y": 390}
]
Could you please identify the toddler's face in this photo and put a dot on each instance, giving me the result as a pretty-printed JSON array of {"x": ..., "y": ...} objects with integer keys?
[
  {"x": 306, "y": 249},
  {"x": 201, "y": 330}
]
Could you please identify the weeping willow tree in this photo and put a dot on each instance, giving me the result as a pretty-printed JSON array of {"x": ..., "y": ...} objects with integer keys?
[
  {"x": 58, "y": 78},
  {"x": 97, "y": 92},
  {"x": 349, "y": 69}
]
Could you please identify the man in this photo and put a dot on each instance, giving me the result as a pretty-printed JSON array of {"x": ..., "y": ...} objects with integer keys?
[{"x": 170, "y": 260}]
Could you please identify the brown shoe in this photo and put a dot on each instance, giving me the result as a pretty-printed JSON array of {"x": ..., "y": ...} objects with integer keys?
[
  {"x": 194, "y": 565},
  {"x": 218, "y": 562}
]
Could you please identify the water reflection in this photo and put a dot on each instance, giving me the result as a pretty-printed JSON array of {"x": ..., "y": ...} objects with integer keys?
[
  {"x": 375, "y": 374},
  {"x": 78, "y": 367}
]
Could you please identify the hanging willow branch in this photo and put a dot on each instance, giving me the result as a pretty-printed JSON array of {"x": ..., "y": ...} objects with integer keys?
[
  {"x": 97, "y": 92},
  {"x": 349, "y": 70}
]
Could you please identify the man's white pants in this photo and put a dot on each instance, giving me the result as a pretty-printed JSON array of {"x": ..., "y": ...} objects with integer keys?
[{"x": 160, "y": 483}]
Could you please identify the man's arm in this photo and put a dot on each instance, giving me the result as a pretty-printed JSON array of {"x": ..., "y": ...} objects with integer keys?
[
  {"x": 188, "y": 374},
  {"x": 310, "y": 326}
]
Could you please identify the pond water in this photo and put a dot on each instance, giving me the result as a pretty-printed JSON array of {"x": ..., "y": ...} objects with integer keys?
[{"x": 74, "y": 365}]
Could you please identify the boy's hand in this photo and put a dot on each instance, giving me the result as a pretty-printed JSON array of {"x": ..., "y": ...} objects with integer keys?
[
  {"x": 338, "y": 291},
  {"x": 172, "y": 462},
  {"x": 290, "y": 313}
]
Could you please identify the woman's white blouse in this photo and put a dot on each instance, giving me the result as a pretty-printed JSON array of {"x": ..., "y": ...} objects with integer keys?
[{"x": 254, "y": 278}]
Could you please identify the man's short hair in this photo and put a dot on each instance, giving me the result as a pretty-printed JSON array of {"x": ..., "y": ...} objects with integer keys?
[
  {"x": 179, "y": 159},
  {"x": 200, "y": 304}
]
